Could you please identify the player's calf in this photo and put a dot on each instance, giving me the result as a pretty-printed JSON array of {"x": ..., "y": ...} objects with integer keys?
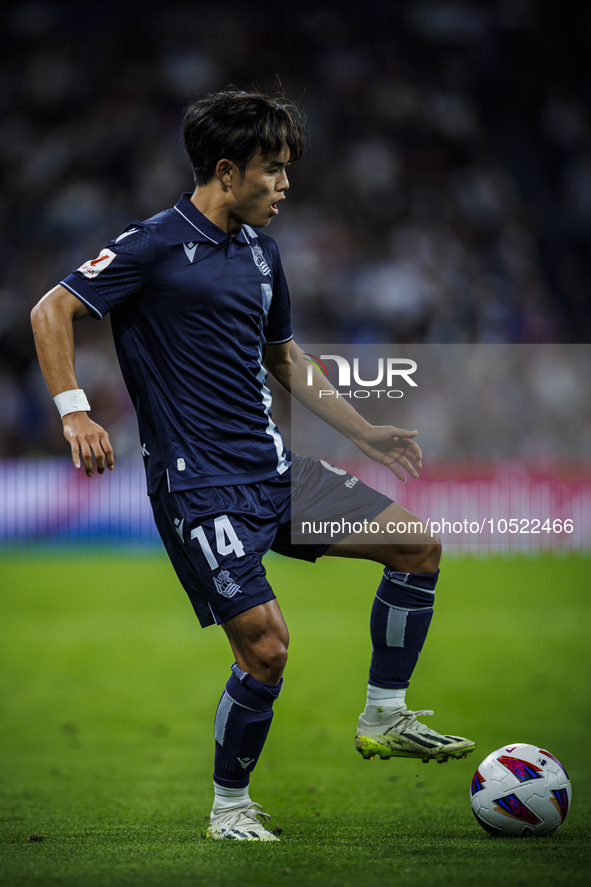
[
  {"x": 400, "y": 619},
  {"x": 242, "y": 722},
  {"x": 259, "y": 638}
]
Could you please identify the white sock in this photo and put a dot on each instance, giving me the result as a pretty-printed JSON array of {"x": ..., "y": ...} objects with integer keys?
[
  {"x": 382, "y": 702},
  {"x": 229, "y": 797}
]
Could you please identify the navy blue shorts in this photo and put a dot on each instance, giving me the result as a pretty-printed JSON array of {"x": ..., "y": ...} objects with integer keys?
[{"x": 216, "y": 537}]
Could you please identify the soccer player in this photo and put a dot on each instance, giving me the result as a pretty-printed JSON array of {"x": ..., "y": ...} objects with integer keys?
[{"x": 200, "y": 311}]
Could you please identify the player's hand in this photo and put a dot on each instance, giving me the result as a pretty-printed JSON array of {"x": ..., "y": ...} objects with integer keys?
[
  {"x": 85, "y": 438},
  {"x": 393, "y": 447}
]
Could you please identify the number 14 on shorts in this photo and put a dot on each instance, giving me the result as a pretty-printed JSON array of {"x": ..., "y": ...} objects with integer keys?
[{"x": 226, "y": 541}]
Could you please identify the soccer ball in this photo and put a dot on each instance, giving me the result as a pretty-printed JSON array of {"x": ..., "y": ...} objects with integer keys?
[{"x": 520, "y": 789}]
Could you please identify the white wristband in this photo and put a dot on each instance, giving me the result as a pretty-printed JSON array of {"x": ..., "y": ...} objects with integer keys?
[{"x": 74, "y": 401}]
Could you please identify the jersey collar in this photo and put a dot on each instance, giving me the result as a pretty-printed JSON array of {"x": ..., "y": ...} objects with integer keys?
[{"x": 205, "y": 230}]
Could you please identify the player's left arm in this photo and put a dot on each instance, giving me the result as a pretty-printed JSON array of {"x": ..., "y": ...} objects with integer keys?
[{"x": 393, "y": 447}]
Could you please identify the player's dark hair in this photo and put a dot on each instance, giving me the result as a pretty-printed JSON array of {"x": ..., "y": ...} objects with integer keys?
[{"x": 235, "y": 124}]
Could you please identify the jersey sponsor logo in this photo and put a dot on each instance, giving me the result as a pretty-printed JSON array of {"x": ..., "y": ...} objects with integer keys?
[
  {"x": 259, "y": 259},
  {"x": 190, "y": 249},
  {"x": 225, "y": 585},
  {"x": 93, "y": 268}
]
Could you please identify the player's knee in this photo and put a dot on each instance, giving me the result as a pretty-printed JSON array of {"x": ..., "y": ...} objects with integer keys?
[
  {"x": 268, "y": 651},
  {"x": 259, "y": 639},
  {"x": 419, "y": 558},
  {"x": 271, "y": 658},
  {"x": 434, "y": 555},
  {"x": 428, "y": 557}
]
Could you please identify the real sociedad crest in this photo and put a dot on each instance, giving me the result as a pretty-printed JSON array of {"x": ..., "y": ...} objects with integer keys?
[
  {"x": 225, "y": 585},
  {"x": 259, "y": 259}
]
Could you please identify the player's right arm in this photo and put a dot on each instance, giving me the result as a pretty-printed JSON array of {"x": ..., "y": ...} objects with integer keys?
[{"x": 52, "y": 320}]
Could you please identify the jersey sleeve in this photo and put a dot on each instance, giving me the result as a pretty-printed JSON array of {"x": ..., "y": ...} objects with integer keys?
[
  {"x": 118, "y": 272},
  {"x": 279, "y": 319}
]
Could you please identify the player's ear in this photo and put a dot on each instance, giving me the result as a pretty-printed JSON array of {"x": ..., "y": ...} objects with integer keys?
[{"x": 224, "y": 171}]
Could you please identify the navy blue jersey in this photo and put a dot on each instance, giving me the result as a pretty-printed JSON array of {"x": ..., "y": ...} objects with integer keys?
[{"x": 192, "y": 310}]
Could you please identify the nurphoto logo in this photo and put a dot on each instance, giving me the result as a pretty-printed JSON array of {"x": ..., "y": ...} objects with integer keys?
[{"x": 389, "y": 370}]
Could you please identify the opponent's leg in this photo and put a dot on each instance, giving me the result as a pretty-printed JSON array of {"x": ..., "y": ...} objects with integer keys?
[
  {"x": 259, "y": 641},
  {"x": 400, "y": 620}
]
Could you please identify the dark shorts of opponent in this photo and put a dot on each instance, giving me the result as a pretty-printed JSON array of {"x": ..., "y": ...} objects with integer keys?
[{"x": 216, "y": 537}]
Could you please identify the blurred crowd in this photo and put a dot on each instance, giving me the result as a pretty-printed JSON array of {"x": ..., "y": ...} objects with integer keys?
[{"x": 445, "y": 196}]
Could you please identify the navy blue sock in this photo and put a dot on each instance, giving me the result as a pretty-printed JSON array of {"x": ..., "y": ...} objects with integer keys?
[
  {"x": 400, "y": 620},
  {"x": 242, "y": 723}
]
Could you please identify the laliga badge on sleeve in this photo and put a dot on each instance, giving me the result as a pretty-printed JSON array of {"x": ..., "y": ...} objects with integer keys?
[{"x": 94, "y": 267}]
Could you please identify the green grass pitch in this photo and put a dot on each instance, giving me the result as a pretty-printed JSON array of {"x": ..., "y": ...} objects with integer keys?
[{"x": 108, "y": 689}]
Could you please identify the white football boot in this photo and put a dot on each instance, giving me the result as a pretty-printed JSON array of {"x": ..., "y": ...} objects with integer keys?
[
  {"x": 239, "y": 823},
  {"x": 402, "y": 736}
]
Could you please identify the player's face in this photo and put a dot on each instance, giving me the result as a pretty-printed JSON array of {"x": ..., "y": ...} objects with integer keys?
[{"x": 263, "y": 185}]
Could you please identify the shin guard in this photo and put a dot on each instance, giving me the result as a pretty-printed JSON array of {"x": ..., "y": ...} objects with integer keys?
[
  {"x": 242, "y": 722},
  {"x": 400, "y": 620}
]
